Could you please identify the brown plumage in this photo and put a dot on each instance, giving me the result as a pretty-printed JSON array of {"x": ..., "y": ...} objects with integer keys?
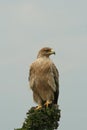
[{"x": 44, "y": 78}]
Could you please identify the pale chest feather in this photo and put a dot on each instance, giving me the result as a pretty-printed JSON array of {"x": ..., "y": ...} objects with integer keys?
[
  {"x": 41, "y": 71},
  {"x": 42, "y": 65}
]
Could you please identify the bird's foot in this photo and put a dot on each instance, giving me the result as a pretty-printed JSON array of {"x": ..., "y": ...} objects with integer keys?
[
  {"x": 38, "y": 107},
  {"x": 47, "y": 103}
]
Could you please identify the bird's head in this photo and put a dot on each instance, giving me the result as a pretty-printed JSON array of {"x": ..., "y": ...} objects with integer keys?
[{"x": 45, "y": 52}]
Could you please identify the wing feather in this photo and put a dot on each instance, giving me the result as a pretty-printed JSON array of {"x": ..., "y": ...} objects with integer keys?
[
  {"x": 53, "y": 81},
  {"x": 56, "y": 78},
  {"x": 31, "y": 77}
]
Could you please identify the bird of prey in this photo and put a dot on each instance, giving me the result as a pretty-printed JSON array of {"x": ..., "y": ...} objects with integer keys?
[{"x": 44, "y": 78}]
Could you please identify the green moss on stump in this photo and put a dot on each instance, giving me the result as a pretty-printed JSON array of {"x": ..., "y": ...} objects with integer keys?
[{"x": 43, "y": 119}]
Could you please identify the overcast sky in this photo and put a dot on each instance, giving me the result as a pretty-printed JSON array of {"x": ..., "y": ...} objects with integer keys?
[{"x": 25, "y": 27}]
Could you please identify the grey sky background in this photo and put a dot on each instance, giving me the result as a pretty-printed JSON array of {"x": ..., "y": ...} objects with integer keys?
[{"x": 25, "y": 27}]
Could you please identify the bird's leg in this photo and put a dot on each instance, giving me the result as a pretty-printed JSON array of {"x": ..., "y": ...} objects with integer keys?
[
  {"x": 47, "y": 103},
  {"x": 38, "y": 107}
]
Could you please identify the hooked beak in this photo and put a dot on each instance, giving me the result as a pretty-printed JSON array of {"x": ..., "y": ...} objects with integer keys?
[{"x": 52, "y": 52}]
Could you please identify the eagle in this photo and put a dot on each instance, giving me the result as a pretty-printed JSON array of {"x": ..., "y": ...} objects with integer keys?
[{"x": 44, "y": 78}]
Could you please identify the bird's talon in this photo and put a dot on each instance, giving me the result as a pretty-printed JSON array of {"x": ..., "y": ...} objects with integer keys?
[
  {"x": 38, "y": 107},
  {"x": 47, "y": 103}
]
